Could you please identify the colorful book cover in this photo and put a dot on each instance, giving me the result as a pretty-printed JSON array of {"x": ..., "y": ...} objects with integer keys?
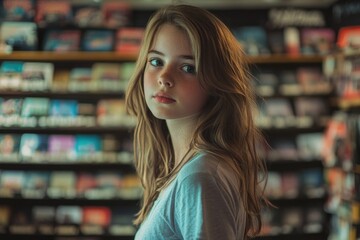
[
  {"x": 279, "y": 108},
  {"x": 98, "y": 40},
  {"x": 61, "y": 148},
  {"x": 86, "y": 182},
  {"x": 116, "y": 14},
  {"x": 68, "y": 215},
  {"x": 317, "y": 40},
  {"x": 9, "y": 147},
  {"x": 100, "y": 216},
  {"x": 37, "y": 76},
  {"x": 81, "y": 80},
  {"x": 62, "y": 184},
  {"x": 128, "y": 40},
  {"x": 312, "y": 183},
  {"x": 35, "y": 185},
  {"x": 52, "y": 12},
  {"x": 107, "y": 76},
  {"x": 62, "y": 40},
  {"x": 86, "y": 15},
  {"x": 18, "y": 10},
  {"x": 290, "y": 184},
  {"x": 349, "y": 37},
  {"x": 34, "y": 106},
  {"x": 127, "y": 69},
  {"x": 310, "y": 145},
  {"x": 11, "y": 107},
  {"x": 312, "y": 80},
  {"x": 63, "y": 108},
  {"x": 313, "y": 107},
  {"x": 111, "y": 112},
  {"x": 292, "y": 41},
  {"x": 11, "y": 183},
  {"x": 33, "y": 147},
  {"x": 21, "y": 36},
  {"x": 11, "y": 75},
  {"x": 87, "y": 147},
  {"x": 273, "y": 188},
  {"x": 61, "y": 80},
  {"x": 253, "y": 40}
]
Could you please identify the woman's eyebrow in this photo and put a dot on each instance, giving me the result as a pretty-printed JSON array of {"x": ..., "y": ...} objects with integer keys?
[{"x": 162, "y": 54}]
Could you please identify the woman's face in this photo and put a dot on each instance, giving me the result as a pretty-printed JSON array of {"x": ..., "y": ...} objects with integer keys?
[{"x": 172, "y": 89}]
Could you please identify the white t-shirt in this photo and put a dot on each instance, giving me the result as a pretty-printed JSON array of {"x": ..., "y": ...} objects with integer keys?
[{"x": 202, "y": 202}]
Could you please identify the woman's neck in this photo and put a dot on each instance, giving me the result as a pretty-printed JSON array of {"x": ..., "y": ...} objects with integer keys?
[{"x": 181, "y": 132}]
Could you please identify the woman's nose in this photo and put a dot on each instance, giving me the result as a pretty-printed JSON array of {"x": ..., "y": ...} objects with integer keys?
[{"x": 165, "y": 79}]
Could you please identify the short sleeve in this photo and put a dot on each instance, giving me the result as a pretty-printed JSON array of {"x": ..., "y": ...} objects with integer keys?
[{"x": 203, "y": 209}]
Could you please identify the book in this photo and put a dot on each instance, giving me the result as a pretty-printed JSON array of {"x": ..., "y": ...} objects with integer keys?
[
  {"x": 311, "y": 106},
  {"x": 62, "y": 40},
  {"x": 62, "y": 184},
  {"x": 282, "y": 149},
  {"x": 108, "y": 184},
  {"x": 35, "y": 185},
  {"x": 87, "y": 15},
  {"x": 313, "y": 219},
  {"x": 81, "y": 80},
  {"x": 310, "y": 145},
  {"x": 18, "y": 10},
  {"x": 44, "y": 219},
  {"x": 86, "y": 182},
  {"x": 33, "y": 147},
  {"x": 312, "y": 80},
  {"x": 266, "y": 84},
  {"x": 11, "y": 75},
  {"x": 68, "y": 215},
  {"x": 107, "y": 76},
  {"x": 88, "y": 147},
  {"x": 5, "y": 212},
  {"x": 292, "y": 41},
  {"x": 289, "y": 85},
  {"x": 60, "y": 80},
  {"x": 52, "y": 12},
  {"x": 9, "y": 147},
  {"x": 127, "y": 69},
  {"x": 98, "y": 40},
  {"x": 21, "y": 221},
  {"x": 61, "y": 148},
  {"x": 292, "y": 220},
  {"x": 21, "y": 36},
  {"x": 128, "y": 40},
  {"x": 63, "y": 108},
  {"x": 122, "y": 221},
  {"x": 37, "y": 76},
  {"x": 111, "y": 112},
  {"x": 290, "y": 184},
  {"x": 253, "y": 39},
  {"x": 312, "y": 183},
  {"x": 11, "y": 183},
  {"x": 276, "y": 41},
  {"x": 98, "y": 215},
  {"x": 116, "y": 14},
  {"x": 35, "y": 107},
  {"x": 317, "y": 40},
  {"x": 273, "y": 188},
  {"x": 348, "y": 37},
  {"x": 10, "y": 107}
]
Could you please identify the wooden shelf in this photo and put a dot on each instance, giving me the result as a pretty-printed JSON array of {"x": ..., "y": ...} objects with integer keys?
[
  {"x": 63, "y": 95},
  {"x": 115, "y": 56}
]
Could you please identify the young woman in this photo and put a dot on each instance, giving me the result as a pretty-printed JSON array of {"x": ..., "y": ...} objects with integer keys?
[{"x": 195, "y": 139}]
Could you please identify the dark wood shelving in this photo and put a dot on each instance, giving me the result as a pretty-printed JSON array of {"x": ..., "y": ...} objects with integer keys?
[
  {"x": 65, "y": 130},
  {"x": 63, "y": 95}
]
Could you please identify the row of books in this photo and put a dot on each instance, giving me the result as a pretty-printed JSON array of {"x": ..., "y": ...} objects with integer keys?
[
  {"x": 344, "y": 72},
  {"x": 66, "y": 220},
  {"x": 24, "y": 36},
  {"x": 302, "y": 147},
  {"x": 41, "y": 76},
  {"x": 61, "y": 148},
  {"x": 288, "y": 220},
  {"x": 45, "y": 112},
  {"x": 301, "y": 80},
  {"x": 110, "y": 14},
  {"x": 293, "y": 184},
  {"x": 101, "y": 185},
  {"x": 280, "y": 112}
]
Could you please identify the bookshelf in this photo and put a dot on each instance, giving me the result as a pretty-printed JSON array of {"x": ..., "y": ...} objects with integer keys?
[{"x": 342, "y": 161}]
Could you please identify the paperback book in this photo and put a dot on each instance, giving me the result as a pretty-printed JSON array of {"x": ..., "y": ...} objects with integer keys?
[
  {"x": 253, "y": 40},
  {"x": 11, "y": 75},
  {"x": 86, "y": 15},
  {"x": 128, "y": 40},
  {"x": 37, "y": 76},
  {"x": 98, "y": 40},
  {"x": 317, "y": 40},
  {"x": 111, "y": 112},
  {"x": 61, "y": 148},
  {"x": 107, "y": 76},
  {"x": 36, "y": 184},
  {"x": 33, "y": 147},
  {"x": 11, "y": 183},
  {"x": 9, "y": 147},
  {"x": 81, "y": 80},
  {"x": 62, "y": 40},
  {"x": 17, "y": 10},
  {"x": 88, "y": 147},
  {"x": 35, "y": 107},
  {"x": 62, "y": 185},
  {"x": 21, "y": 36},
  {"x": 116, "y": 14},
  {"x": 52, "y": 12}
]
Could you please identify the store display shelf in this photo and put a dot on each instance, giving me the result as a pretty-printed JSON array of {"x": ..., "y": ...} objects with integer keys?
[
  {"x": 286, "y": 165},
  {"x": 65, "y": 130},
  {"x": 63, "y": 95}
]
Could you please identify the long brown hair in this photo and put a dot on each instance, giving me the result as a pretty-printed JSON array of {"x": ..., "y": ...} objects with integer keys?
[{"x": 226, "y": 127}]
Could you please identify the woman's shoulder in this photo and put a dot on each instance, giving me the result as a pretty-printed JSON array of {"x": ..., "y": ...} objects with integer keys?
[{"x": 206, "y": 164}]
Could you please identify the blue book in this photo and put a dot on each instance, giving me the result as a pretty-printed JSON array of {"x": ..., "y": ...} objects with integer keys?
[
  {"x": 17, "y": 10},
  {"x": 87, "y": 144},
  {"x": 98, "y": 40},
  {"x": 63, "y": 108},
  {"x": 11, "y": 75}
]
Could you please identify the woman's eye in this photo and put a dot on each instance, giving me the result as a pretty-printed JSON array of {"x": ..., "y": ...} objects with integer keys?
[
  {"x": 189, "y": 69},
  {"x": 155, "y": 62}
]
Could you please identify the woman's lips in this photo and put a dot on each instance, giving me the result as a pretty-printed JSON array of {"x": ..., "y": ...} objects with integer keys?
[{"x": 163, "y": 99}]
